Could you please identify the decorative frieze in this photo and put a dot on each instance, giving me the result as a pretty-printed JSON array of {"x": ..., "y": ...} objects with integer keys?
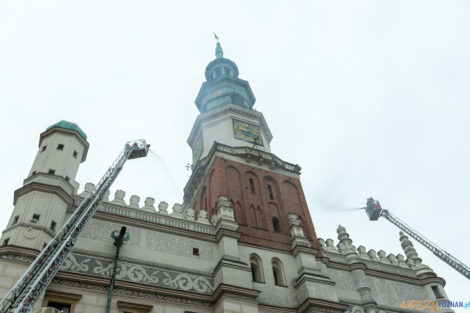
[
  {"x": 177, "y": 245},
  {"x": 136, "y": 273}
]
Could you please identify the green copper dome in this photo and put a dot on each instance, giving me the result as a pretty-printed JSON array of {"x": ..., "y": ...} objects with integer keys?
[{"x": 68, "y": 125}]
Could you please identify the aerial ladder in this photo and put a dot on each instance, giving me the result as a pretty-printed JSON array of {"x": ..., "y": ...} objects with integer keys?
[
  {"x": 374, "y": 211},
  {"x": 29, "y": 287}
]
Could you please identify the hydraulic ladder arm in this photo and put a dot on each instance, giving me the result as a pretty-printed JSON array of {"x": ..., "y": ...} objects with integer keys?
[
  {"x": 374, "y": 211},
  {"x": 24, "y": 294}
]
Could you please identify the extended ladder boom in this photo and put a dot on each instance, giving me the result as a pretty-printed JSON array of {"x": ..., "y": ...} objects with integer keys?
[
  {"x": 374, "y": 211},
  {"x": 26, "y": 291}
]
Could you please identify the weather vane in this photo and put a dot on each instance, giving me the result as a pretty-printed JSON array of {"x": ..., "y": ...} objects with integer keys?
[{"x": 215, "y": 36}]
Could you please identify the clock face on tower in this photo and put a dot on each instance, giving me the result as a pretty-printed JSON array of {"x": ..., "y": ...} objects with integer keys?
[{"x": 247, "y": 132}]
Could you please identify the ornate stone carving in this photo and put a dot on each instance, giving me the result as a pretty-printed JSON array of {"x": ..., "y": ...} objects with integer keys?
[
  {"x": 345, "y": 243},
  {"x": 293, "y": 219},
  {"x": 362, "y": 252},
  {"x": 148, "y": 205},
  {"x": 137, "y": 273},
  {"x": 214, "y": 219},
  {"x": 163, "y": 208},
  {"x": 88, "y": 190},
  {"x": 119, "y": 198},
  {"x": 134, "y": 202},
  {"x": 100, "y": 230},
  {"x": 30, "y": 233},
  {"x": 177, "y": 245},
  {"x": 189, "y": 214},
  {"x": 401, "y": 261},
  {"x": 225, "y": 209},
  {"x": 372, "y": 255},
  {"x": 177, "y": 211},
  {"x": 106, "y": 196},
  {"x": 383, "y": 257},
  {"x": 16, "y": 258},
  {"x": 202, "y": 217},
  {"x": 330, "y": 245},
  {"x": 391, "y": 257}
]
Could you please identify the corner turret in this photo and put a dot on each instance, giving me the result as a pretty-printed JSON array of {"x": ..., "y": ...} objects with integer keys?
[{"x": 42, "y": 202}]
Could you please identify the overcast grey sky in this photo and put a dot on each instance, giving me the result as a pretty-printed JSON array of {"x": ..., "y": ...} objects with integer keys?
[{"x": 371, "y": 98}]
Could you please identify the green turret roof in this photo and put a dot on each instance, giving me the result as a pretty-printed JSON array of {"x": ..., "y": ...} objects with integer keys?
[{"x": 68, "y": 125}]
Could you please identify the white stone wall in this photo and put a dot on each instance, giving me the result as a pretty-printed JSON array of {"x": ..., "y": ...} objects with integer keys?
[
  {"x": 270, "y": 293},
  {"x": 63, "y": 161},
  {"x": 31, "y": 235},
  {"x": 147, "y": 245}
]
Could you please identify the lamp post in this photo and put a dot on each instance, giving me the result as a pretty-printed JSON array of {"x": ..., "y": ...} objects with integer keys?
[{"x": 119, "y": 239}]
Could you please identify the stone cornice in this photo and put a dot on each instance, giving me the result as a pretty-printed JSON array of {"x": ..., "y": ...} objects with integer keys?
[
  {"x": 321, "y": 279},
  {"x": 130, "y": 292},
  {"x": 63, "y": 295},
  {"x": 101, "y": 284},
  {"x": 308, "y": 250},
  {"x": 128, "y": 305},
  {"x": 247, "y": 294},
  {"x": 30, "y": 225},
  {"x": 236, "y": 264},
  {"x": 386, "y": 271},
  {"x": 18, "y": 254},
  {"x": 156, "y": 221},
  {"x": 34, "y": 186},
  {"x": 49, "y": 179},
  {"x": 248, "y": 153},
  {"x": 228, "y": 233},
  {"x": 321, "y": 306}
]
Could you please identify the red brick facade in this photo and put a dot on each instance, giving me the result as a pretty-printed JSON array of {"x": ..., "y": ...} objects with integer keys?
[{"x": 259, "y": 196}]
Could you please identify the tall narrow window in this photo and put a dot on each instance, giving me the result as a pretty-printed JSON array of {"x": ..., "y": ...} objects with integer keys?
[
  {"x": 60, "y": 146},
  {"x": 15, "y": 220},
  {"x": 436, "y": 292},
  {"x": 43, "y": 148},
  {"x": 53, "y": 226},
  {"x": 270, "y": 190},
  {"x": 278, "y": 272},
  {"x": 252, "y": 186},
  {"x": 256, "y": 268},
  {"x": 52, "y": 172},
  {"x": 276, "y": 225},
  {"x": 6, "y": 241},
  {"x": 276, "y": 276},
  {"x": 75, "y": 154}
]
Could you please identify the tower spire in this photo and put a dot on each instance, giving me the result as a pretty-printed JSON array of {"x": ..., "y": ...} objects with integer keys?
[{"x": 219, "y": 53}]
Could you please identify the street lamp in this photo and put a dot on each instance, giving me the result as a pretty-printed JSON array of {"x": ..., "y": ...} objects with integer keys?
[{"x": 119, "y": 238}]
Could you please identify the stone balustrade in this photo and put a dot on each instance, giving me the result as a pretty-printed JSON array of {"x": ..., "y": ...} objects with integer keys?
[
  {"x": 380, "y": 259},
  {"x": 179, "y": 218}
]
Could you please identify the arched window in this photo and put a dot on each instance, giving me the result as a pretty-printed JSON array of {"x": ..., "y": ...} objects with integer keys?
[
  {"x": 256, "y": 268},
  {"x": 270, "y": 191},
  {"x": 252, "y": 185},
  {"x": 278, "y": 272},
  {"x": 276, "y": 225}
]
